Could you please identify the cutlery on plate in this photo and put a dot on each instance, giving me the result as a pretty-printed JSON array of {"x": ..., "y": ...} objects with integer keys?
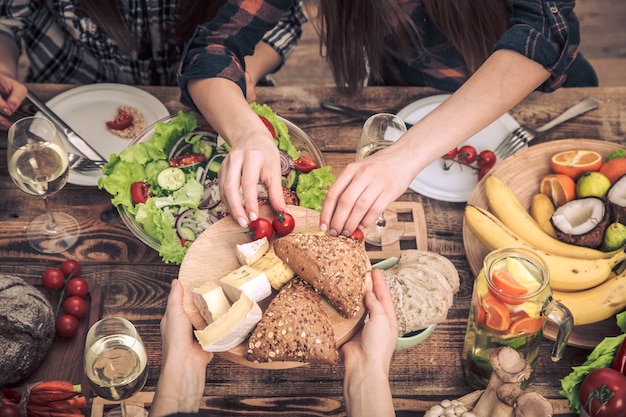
[
  {"x": 524, "y": 134},
  {"x": 74, "y": 138},
  {"x": 81, "y": 164},
  {"x": 360, "y": 114}
]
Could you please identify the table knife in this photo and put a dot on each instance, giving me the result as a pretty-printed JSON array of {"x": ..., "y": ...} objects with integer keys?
[
  {"x": 360, "y": 114},
  {"x": 74, "y": 138}
]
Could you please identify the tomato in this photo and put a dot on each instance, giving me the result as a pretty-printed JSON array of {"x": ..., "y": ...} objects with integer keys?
[
  {"x": 66, "y": 325},
  {"x": 269, "y": 126},
  {"x": 260, "y": 228},
  {"x": 70, "y": 266},
  {"x": 467, "y": 154},
  {"x": 122, "y": 120},
  {"x": 486, "y": 158},
  {"x": 452, "y": 153},
  {"x": 619, "y": 361},
  {"x": 603, "y": 393},
  {"x": 484, "y": 170},
  {"x": 304, "y": 164},
  {"x": 53, "y": 279},
  {"x": 139, "y": 192},
  {"x": 283, "y": 224},
  {"x": 357, "y": 235},
  {"x": 77, "y": 286},
  {"x": 187, "y": 159},
  {"x": 9, "y": 410},
  {"x": 75, "y": 306}
]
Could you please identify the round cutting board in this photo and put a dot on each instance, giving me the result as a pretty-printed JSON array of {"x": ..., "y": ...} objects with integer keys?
[{"x": 213, "y": 255}]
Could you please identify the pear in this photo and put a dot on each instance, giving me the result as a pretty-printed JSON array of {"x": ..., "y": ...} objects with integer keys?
[
  {"x": 614, "y": 237},
  {"x": 592, "y": 184}
]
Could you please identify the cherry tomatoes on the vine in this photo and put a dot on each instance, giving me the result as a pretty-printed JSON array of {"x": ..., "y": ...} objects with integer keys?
[
  {"x": 75, "y": 306},
  {"x": 70, "y": 266},
  {"x": 486, "y": 158},
  {"x": 283, "y": 224},
  {"x": 467, "y": 154},
  {"x": 66, "y": 325},
  {"x": 452, "y": 153},
  {"x": 260, "y": 228},
  {"x": 77, "y": 286},
  {"x": 53, "y": 279}
]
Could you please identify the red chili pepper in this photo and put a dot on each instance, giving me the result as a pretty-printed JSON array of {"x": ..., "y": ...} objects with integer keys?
[
  {"x": 304, "y": 164},
  {"x": 619, "y": 361},
  {"x": 188, "y": 159},
  {"x": 122, "y": 120}
]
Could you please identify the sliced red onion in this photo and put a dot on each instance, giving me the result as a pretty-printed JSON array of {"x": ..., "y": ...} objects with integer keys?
[
  {"x": 286, "y": 162},
  {"x": 179, "y": 222}
]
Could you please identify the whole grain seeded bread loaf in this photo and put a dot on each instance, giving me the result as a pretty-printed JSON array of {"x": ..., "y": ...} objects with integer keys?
[
  {"x": 26, "y": 329},
  {"x": 295, "y": 327},
  {"x": 335, "y": 266}
]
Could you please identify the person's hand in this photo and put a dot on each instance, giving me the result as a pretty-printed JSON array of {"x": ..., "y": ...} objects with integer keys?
[
  {"x": 183, "y": 370},
  {"x": 12, "y": 93},
  {"x": 364, "y": 189}
]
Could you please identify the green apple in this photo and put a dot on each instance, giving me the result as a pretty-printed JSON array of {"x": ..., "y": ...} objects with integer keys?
[
  {"x": 614, "y": 237},
  {"x": 592, "y": 184}
]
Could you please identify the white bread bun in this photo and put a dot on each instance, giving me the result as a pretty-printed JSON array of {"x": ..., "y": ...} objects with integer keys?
[
  {"x": 397, "y": 296},
  {"x": 435, "y": 261}
]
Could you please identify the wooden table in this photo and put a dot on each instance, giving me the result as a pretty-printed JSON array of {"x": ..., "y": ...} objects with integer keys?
[{"x": 134, "y": 282}]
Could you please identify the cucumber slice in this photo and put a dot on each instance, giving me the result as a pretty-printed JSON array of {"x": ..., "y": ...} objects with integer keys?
[
  {"x": 171, "y": 179},
  {"x": 214, "y": 166},
  {"x": 187, "y": 233},
  {"x": 154, "y": 167},
  {"x": 291, "y": 180},
  {"x": 203, "y": 147}
]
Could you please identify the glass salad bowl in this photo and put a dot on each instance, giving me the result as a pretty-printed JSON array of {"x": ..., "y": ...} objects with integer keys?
[{"x": 300, "y": 140}]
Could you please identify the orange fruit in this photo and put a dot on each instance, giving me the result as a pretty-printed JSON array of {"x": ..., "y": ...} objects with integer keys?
[
  {"x": 559, "y": 187},
  {"x": 497, "y": 314},
  {"x": 526, "y": 325},
  {"x": 575, "y": 163},
  {"x": 614, "y": 169},
  {"x": 508, "y": 289}
]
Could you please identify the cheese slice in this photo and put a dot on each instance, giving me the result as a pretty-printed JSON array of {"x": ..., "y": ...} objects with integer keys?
[
  {"x": 210, "y": 301},
  {"x": 231, "y": 328},
  {"x": 278, "y": 272},
  {"x": 249, "y": 253},
  {"x": 248, "y": 280}
]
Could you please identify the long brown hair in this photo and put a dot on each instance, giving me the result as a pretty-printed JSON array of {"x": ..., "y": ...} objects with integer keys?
[
  {"x": 109, "y": 18},
  {"x": 358, "y": 36}
]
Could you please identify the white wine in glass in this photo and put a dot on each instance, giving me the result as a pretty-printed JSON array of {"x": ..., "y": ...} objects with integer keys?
[
  {"x": 38, "y": 165},
  {"x": 116, "y": 363},
  {"x": 380, "y": 131}
]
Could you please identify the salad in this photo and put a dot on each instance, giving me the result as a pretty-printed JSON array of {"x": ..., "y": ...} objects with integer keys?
[{"x": 168, "y": 182}]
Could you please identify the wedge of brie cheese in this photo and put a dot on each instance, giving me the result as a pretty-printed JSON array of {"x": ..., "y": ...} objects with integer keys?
[
  {"x": 247, "y": 280},
  {"x": 210, "y": 301},
  {"x": 249, "y": 253},
  {"x": 232, "y": 327},
  {"x": 278, "y": 272}
]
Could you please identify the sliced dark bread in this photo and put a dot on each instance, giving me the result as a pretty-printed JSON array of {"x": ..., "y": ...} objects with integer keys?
[{"x": 295, "y": 327}]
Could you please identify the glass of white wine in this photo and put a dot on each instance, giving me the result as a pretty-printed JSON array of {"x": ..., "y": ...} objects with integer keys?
[
  {"x": 380, "y": 131},
  {"x": 38, "y": 165},
  {"x": 116, "y": 363}
]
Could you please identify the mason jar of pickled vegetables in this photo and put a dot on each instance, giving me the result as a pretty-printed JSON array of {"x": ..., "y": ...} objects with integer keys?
[{"x": 511, "y": 302}]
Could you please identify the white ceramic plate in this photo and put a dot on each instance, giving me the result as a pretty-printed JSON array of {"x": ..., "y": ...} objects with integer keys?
[
  {"x": 456, "y": 184},
  {"x": 86, "y": 110}
]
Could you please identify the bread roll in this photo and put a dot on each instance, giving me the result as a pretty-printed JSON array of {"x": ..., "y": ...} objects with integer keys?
[
  {"x": 435, "y": 261},
  {"x": 26, "y": 329}
]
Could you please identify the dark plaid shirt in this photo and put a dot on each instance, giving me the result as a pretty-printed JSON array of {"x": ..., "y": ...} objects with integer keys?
[
  {"x": 64, "y": 47},
  {"x": 545, "y": 31}
]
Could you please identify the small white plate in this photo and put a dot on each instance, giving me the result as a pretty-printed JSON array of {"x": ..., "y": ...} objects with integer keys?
[
  {"x": 86, "y": 110},
  {"x": 457, "y": 183}
]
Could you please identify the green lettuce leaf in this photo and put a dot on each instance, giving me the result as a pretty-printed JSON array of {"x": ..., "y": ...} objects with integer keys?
[{"x": 313, "y": 187}]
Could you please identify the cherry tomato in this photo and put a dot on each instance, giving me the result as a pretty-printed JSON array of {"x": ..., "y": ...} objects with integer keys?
[
  {"x": 283, "y": 224},
  {"x": 53, "y": 279},
  {"x": 603, "y": 393},
  {"x": 66, "y": 325},
  {"x": 619, "y": 361},
  {"x": 75, "y": 306},
  {"x": 260, "y": 228},
  {"x": 187, "y": 159},
  {"x": 467, "y": 154},
  {"x": 122, "y": 120},
  {"x": 9, "y": 410},
  {"x": 139, "y": 192},
  {"x": 304, "y": 164},
  {"x": 357, "y": 235},
  {"x": 77, "y": 286},
  {"x": 486, "y": 158},
  {"x": 484, "y": 170},
  {"x": 452, "y": 153},
  {"x": 70, "y": 266},
  {"x": 269, "y": 126}
]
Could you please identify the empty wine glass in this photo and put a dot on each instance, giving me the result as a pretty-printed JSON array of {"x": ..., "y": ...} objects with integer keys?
[
  {"x": 38, "y": 165},
  {"x": 116, "y": 363},
  {"x": 380, "y": 131}
]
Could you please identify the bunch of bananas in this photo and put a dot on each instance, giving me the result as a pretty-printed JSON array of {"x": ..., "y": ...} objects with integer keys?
[{"x": 583, "y": 279}]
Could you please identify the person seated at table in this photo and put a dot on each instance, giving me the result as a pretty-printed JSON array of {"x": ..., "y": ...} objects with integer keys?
[
  {"x": 137, "y": 43},
  {"x": 490, "y": 54},
  {"x": 366, "y": 359}
]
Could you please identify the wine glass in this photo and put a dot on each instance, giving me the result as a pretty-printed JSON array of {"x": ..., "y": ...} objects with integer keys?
[
  {"x": 379, "y": 131},
  {"x": 116, "y": 363},
  {"x": 38, "y": 165}
]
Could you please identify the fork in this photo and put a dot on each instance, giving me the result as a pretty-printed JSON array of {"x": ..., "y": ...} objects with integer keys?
[
  {"x": 524, "y": 134},
  {"x": 81, "y": 164}
]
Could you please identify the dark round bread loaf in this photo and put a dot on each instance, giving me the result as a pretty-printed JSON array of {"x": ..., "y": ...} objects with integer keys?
[{"x": 26, "y": 329}]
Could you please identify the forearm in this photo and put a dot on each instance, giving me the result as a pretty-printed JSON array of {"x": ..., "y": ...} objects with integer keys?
[
  {"x": 10, "y": 55},
  {"x": 367, "y": 393},
  {"x": 265, "y": 60},
  {"x": 178, "y": 390}
]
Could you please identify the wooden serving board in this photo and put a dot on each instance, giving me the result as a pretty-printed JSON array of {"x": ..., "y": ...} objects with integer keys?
[
  {"x": 523, "y": 172},
  {"x": 213, "y": 255}
]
